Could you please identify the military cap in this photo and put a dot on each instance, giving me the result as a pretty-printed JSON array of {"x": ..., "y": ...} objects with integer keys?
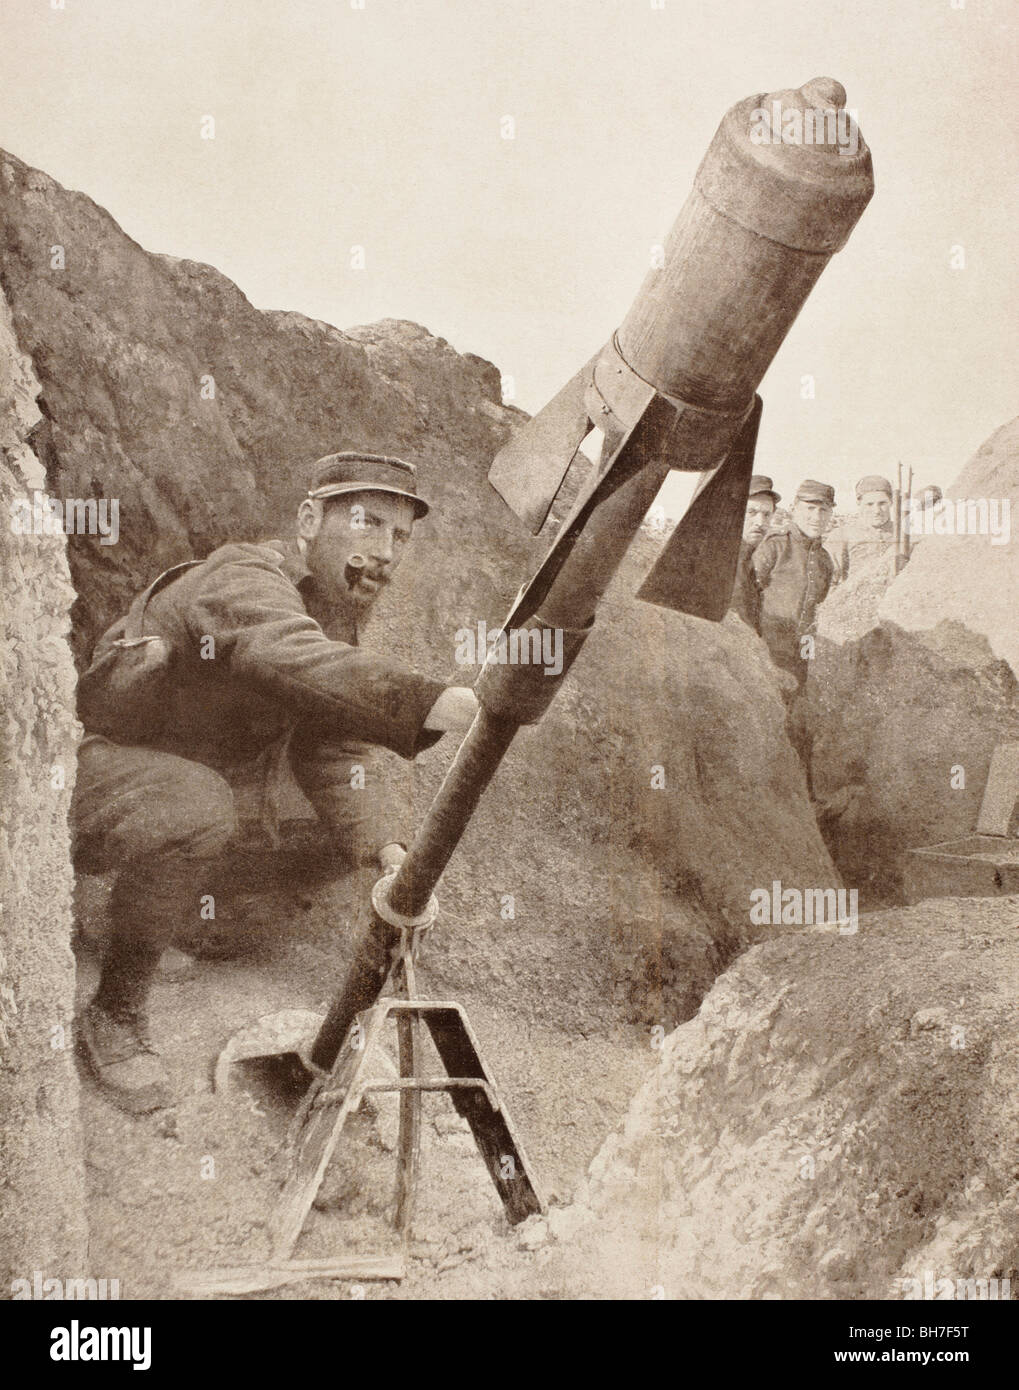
[
  {"x": 337, "y": 474},
  {"x": 811, "y": 491},
  {"x": 759, "y": 485},
  {"x": 873, "y": 483}
]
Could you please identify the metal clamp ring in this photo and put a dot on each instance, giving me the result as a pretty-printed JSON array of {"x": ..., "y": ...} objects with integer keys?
[{"x": 380, "y": 903}]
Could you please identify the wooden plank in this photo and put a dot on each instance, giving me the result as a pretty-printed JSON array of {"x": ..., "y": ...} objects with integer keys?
[
  {"x": 244, "y": 1279},
  {"x": 491, "y": 1126},
  {"x": 408, "y": 1030},
  {"x": 410, "y": 1084},
  {"x": 317, "y": 1136}
]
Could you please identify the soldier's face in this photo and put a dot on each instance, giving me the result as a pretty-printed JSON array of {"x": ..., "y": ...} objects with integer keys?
[
  {"x": 373, "y": 527},
  {"x": 875, "y": 508},
  {"x": 812, "y": 517},
  {"x": 760, "y": 510}
]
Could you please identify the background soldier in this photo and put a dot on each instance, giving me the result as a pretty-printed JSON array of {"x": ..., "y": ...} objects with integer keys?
[
  {"x": 261, "y": 657},
  {"x": 746, "y": 594},
  {"x": 794, "y": 572},
  {"x": 870, "y": 534}
]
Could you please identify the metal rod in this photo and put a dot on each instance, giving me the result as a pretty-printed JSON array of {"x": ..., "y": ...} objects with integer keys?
[
  {"x": 897, "y": 502},
  {"x": 455, "y": 802},
  {"x": 408, "y": 1032},
  {"x": 406, "y": 1085},
  {"x": 568, "y": 600}
]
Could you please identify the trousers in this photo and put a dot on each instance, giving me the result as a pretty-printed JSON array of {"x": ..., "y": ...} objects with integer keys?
[{"x": 160, "y": 820}]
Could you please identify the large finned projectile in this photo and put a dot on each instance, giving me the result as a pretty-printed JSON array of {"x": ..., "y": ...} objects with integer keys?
[{"x": 778, "y": 192}]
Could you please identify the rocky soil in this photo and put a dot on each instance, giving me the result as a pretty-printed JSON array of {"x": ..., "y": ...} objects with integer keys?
[
  {"x": 840, "y": 1117},
  {"x": 548, "y": 1000},
  {"x": 837, "y": 1118}
]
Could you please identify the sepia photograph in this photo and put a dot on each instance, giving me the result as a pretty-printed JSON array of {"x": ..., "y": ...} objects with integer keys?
[{"x": 510, "y": 668}]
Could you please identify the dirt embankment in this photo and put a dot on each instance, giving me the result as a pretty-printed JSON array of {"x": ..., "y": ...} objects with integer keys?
[
  {"x": 917, "y": 680},
  {"x": 837, "y": 1121},
  {"x": 42, "y": 1223}
]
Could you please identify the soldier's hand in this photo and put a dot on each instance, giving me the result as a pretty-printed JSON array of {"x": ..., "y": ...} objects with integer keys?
[{"x": 454, "y": 710}]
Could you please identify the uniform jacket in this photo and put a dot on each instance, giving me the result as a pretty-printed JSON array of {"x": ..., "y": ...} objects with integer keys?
[
  {"x": 277, "y": 665},
  {"x": 795, "y": 574},
  {"x": 854, "y": 545},
  {"x": 746, "y": 593}
]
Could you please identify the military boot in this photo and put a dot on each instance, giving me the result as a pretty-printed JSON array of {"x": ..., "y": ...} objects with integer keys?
[
  {"x": 117, "y": 1047},
  {"x": 146, "y": 903}
]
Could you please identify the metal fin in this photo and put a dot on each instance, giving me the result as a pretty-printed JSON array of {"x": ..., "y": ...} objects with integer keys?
[
  {"x": 528, "y": 471},
  {"x": 696, "y": 570},
  {"x": 622, "y": 457}
]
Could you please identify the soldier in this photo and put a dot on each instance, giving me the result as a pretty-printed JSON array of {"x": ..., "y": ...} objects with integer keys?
[
  {"x": 870, "y": 534},
  {"x": 794, "y": 572},
  {"x": 761, "y": 504},
  {"x": 258, "y": 657}
]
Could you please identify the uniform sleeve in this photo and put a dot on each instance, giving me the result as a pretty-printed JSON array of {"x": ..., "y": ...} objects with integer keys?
[
  {"x": 837, "y": 549},
  {"x": 349, "y": 791},
  {"x": 745, "y": 594},
  {"x": 764, "y": 559},
  {"x": 264, "y": 637}
]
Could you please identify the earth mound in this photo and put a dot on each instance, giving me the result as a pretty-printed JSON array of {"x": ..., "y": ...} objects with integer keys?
[
  {"x": 836, "y": 1122},
  {"x": 915, "y": 682}
]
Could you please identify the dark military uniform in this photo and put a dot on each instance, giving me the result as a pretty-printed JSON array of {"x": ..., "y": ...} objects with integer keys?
[
  {"x": 276, "y": 693},
  {"x": 794, "y": 572},
  {"x": 222, "y": 681},
  {"x": 746, "y": 592}
]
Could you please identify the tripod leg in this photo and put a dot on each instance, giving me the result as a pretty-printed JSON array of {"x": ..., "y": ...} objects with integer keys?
[{"x": 408, "y": 1034}]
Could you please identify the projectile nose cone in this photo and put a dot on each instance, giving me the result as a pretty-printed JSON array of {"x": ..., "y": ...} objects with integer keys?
[{"x": 824, "y": 93}]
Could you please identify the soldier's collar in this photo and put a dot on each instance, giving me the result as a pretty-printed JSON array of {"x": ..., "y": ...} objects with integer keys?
[
  {"x": 808, "y": 541},
  {"x": 292, "y": 562},
  {"x": 337, "y": 623}
]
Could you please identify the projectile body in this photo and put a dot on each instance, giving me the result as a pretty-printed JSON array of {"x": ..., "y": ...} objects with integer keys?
[{"x": 765, "y": 215}]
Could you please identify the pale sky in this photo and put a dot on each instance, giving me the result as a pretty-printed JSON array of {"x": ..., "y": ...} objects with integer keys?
[{"x": 381, "y": 127}]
